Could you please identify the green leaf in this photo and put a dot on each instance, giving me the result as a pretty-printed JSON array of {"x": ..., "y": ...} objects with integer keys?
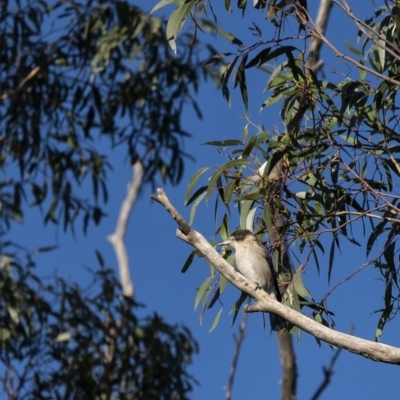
[
  {"x": 190, "y": 259},
  {"x": 225, "y": 168},
  {"x": 100, "y": 259},
  {"x": 271, "y": 100},
  {"x": 228, "y": 36},
  {"x": 385, "y": 313},
  {"x": 212, "y": 182},
  {"x": 273, "y": 161},
  {"x": 295, "y": 298},
  {"x": 176, "y": 22},
  {"x": 352, "y": 49},
  {"x": 217, "y": 58},
  {"x": 379, "y": 229},
  {"x": 225, "y": 79},
  {"x": 245, "y": 206},
  {"x": 316, "y": 259},
  {"x": 241, "y": 80},
  {"x": 192, "y": 183},
  {"x": 260, "y": 58},
  {"x": 204, "y": 304},
  {"x": 229, "y": 189},
  {"x": 331, "y": 259},
  {"x": 225, "y": 143},
  {"x": 224, "y": 229},
  {"x": 222, "y": 280},
  {"x": 237, "y": 306},
  {"x": 214, "y": 299},
  {"x": 45, "y": 249},
  {"x": 164, "y": 3},
  {"x": 195, "y": 204},
  {"x": 205, "y": 286},
  {"x": 216, "y": 320},
  {"x": 196, "y": 194},
  {"x": 298, "y": 283},
  {"x": 390, "y": 246},
  {"x": 250, "y": 219},
  {"x": 268, "y": 217}
]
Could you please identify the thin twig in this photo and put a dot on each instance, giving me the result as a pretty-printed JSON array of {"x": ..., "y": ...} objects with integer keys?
[
  {"x": 238, "y": 344},
  {"x": 328, "y": 372},
  {"x": 362, "y": 26}
]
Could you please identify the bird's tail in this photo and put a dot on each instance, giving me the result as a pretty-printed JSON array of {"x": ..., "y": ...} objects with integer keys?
[{"x": 277, "y": 322}]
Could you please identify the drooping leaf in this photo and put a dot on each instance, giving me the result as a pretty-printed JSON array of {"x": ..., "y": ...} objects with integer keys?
[
  {"x": 235, "y": 309},
  {"x": 176, "y": 22},
  {"x": 299, "y": 285},
  {"x": 216, "y": 320},
  {"x": 192, "y": 183},
  {"x": 241, "y": 80},
  {"x": 205, "y": 287}
]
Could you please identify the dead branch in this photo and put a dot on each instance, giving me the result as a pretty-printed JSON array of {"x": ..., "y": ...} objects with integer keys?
[
  {"x": 238, "y": 344},
  {"x": 117, "y": 238},
  {"x": 328, "y": 373}
]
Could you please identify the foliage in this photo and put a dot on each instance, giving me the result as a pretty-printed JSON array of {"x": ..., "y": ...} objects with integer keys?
[
  {"x": 75, "y": 79},
  {"x": 330, "y": 174},
  {"x": 63, "y": 341}
]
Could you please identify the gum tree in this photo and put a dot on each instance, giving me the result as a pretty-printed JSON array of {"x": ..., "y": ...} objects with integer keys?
[{"x": 326, "y": 176}]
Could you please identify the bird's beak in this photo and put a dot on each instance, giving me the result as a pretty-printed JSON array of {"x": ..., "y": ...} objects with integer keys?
[{"x": 225, "y": 243}]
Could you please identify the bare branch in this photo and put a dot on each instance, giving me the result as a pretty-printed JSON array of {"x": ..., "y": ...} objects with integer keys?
[
  {"x": 314, "y": 61},
  {"x": 264, "y": 303},
  {"x": 328, "y": 372},
  {"x": 117, "y": 238},
  {"x": 238, "y": 344}
]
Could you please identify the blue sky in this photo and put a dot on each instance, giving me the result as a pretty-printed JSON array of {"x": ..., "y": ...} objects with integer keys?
[{"x": 157, "y": 256}]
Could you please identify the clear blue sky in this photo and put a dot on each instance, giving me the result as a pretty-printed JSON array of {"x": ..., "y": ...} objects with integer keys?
[{"x": 156, "y": 258}]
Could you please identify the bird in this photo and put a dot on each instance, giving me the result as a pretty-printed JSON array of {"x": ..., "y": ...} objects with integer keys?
[{"x": 255, "y": 263}]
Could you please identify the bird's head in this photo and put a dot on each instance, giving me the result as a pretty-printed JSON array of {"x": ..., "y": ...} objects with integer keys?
[{"x": 237, "y": 237}]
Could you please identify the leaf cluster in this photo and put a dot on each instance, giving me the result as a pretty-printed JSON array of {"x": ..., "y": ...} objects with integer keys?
[
  {"x": 331, "y": 172},
  {"x": 59, "y": 340},
  {"x": 77, "y": 80}
]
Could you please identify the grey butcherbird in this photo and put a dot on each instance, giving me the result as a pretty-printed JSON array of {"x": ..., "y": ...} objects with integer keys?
[{"x": 255, "y": 263}]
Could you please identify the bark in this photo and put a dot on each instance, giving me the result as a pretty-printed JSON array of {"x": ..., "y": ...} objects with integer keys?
[{"x": 117, "y": 238}]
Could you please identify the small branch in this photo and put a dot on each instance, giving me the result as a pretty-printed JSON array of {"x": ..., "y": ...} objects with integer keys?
[
  {"x": 314, "y": 31},
  {"x": 238, "y": 344},
  {"x": 162, "y": 198},
  {"x": 117, "y": 238},
  {"x": 264, "y": 303},
  {"x": 328, "y": 372},
  {"x": 364, "y": 28}
]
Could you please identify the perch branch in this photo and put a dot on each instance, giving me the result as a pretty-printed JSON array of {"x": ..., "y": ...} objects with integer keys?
[{"x": 264, "y": 303}]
